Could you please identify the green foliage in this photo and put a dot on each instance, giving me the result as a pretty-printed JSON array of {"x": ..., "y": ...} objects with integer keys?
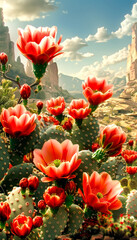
[{"x": 7, "y": 96}]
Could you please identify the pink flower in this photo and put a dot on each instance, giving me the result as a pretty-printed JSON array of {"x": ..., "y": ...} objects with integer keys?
[
  {"x": 18, "y": 121},
  {"x": 79, "y": 109},
  {"x": 57, "y": 160},
  {"x": 38, "y": 44},
  {"x": 56, "y": 106},
  {"x": 96, "y": 91},
  {"x": 101, "y": 192},
  {"x": 112, "y": 138}
]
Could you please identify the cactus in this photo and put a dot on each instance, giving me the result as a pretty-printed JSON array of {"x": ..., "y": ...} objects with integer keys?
[
  {"x": 75, "y": 219},
  {"x": 3, "y": 236},
  {"x": 7, "y": 96},
  {"x": 116, "y": 167},
  {"x": 86, "y": 134},
  {"x": 131, "y": 205},
  {"x": 53, "y": 224},
  {"x": 19, "y": 204},
  {"x": 4, "y": 158},
  {"x": 87, "y": 165},
  {"x": 53, "y": 132},
  {"x": 122, "y": 210},
  {"x": 15, "y": 174}
]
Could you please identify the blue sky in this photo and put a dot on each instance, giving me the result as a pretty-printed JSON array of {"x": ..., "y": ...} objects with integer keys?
[{"x": 96, "y": 33}]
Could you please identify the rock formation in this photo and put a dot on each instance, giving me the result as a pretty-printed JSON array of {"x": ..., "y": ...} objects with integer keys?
[{"x": 130, "y": 91}]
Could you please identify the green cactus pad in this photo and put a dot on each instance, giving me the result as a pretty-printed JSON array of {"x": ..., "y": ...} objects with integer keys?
[
  {"x": 53, "y": 225},
  {"x": 4, "y": 158},
  {"x": 3, "y": 236},
  {"x": 19, "y": 204},
  {"x": 87, "y": 165},
  {"x": 115, "y": 166},
  {"x": 131, "y": 205},
  {"x": 75, "y": 219},
  {"x": 122, "y": 210},
  {"x": 15, "y": 174},
  {"x": 87, "y": 134}
]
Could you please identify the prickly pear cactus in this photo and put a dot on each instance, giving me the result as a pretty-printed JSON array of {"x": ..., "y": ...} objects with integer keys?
[
  {"x": 4, "y": 158},
  {"x": 87, "y": 165},
  {"x": 19, "y": 204},
  {"x": 53, "y": 224},
  {"x": 131, "y": 205},
  {"x": 3, "y": 236},
  {"x": 116, "y": 167},
  {"x": 15, "y": 174},
  {"x": 86, "y": 134},
  {"x": 53, "y": 132},
  {"x": 75, "y": 219}
]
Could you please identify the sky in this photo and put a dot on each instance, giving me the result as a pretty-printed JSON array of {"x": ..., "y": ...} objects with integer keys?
[{"x": 96, "y": 33}]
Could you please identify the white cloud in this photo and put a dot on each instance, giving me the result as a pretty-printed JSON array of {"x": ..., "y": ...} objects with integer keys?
[
  {"x": 65, "y": 12},
  {"x": 116, "y": 57},
  {"x": 71, "y": 49},
  {"x": 102, "y": 34},
  {"x": 26, "y": 10},
  {"x": 102, "y": 69}
]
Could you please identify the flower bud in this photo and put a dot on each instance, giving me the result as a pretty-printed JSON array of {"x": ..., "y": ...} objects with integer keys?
[
  {"x": 25, "y": 91},
  {"x": 3, "y": 58},
  {"x": 41, "y": 204},
  {"x": 5, "y": 211},
  {"x": 23, "y": 183},
  {"x": 70, "y": 187},
  {"x": 39, "y": 104},
  {"x": 37, "y": 221},
  {"x": 33, "y": 183}
]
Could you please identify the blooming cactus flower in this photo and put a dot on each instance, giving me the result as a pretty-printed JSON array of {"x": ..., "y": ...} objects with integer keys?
[
  {"x": 129, "y": 156},
  {"x": 38, "y": 44},
  {"x": 18, "y": 121},
  {"x": 54, "y": 196},
  {"x": 112, "y": 138},
  {"x": 79, "y": 109},
  {"x": 57, "y": 160},
  {"x": 96, "y": 91},
  {"x": 56, "y": 106},
  {"x": 21, "y": 226},
  {"x": 101, "y": 192},
  {"x": 5, "y": 211},
  {"x": 131, "y": 170}
]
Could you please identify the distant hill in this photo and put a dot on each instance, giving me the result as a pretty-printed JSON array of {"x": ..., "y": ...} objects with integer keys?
[{"x": 74, "y": 85}]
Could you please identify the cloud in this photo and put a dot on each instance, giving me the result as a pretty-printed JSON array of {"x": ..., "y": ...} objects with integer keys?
[
  {"x": 26, "y": 10},
  {"x": 65, "y": 12},
  {"x": 117, "y": 57},
  {"x": 102, "y": 69},
  {"x": 71, "y": 49},
  {"x": 102, "y": 34}
]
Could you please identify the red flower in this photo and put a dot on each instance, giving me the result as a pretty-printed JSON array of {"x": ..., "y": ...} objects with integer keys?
[
  {"x": 95, "y": 146},
  {"x": 131, "y": 170},
  {"x": 79, "y": 109},
  {"x": 70, "y": 187},
  {"x": 37, "y": 221},
  {"x": 111, "y": 139},
  {"x": 21, "y": 226},
  {"x": 96, "y": 91},
  {"x": 3, "y": 58},
  {"x": 5, "y": 211},
  {"x": 33, "y": 182},
  {"x": 38, "y": 44},
  {"x": 18, "y": 121},
  {"x": 39, "y": 104},
  {"x": 25, "y": 91},
  {"x": 41, "y": 204},
  {"x": 54, "y": 196},
  {"x": 23, "y": 183},
  {"x": 50, "y": 119},
  {"x": 68, "y": 124},
  {"x": 101, "y": 192},
  {"x": 57, "y": 160},
  {"x": 129, "y": 155},
  {"x": 56, "y": 106},
  {"x": 130, "y": 143}
]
